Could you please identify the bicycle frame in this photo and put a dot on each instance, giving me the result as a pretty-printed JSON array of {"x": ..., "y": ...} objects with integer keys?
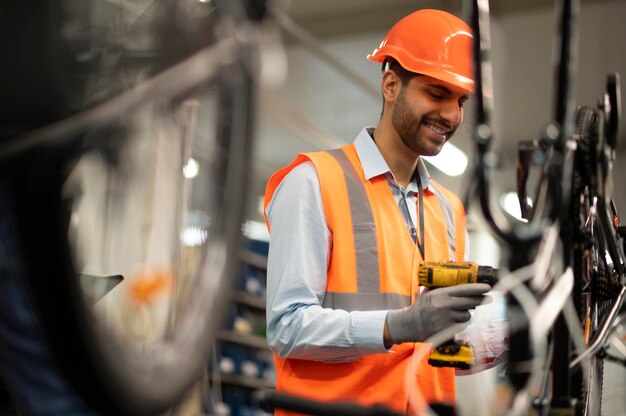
[
  {"x": 522, "y": 240},
  {"x": 108, "y": 371}
]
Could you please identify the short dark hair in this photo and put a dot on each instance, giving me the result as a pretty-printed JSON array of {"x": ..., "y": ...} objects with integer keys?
[{"x": 404, "y": 75}]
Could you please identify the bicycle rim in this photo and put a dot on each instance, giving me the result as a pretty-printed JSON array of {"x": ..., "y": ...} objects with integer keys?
[
  {"x": 119, "y": 200},
  {"x": 592, "y": 398}
]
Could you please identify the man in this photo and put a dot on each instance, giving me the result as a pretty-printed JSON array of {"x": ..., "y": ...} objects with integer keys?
[{"x": 349, "y": 227}]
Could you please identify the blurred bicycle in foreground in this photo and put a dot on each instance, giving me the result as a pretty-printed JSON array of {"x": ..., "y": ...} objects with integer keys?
[{"x": 126, "y": 134}]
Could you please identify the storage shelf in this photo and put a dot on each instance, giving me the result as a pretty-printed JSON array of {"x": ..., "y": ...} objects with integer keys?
[
  {"x": 248, "y": 299},
  {"x": 246, "y": 381},
  {"x": 249, "y": 352},
  {"x": 253, "y": 259},
  {"x": 247, "y": 340}
]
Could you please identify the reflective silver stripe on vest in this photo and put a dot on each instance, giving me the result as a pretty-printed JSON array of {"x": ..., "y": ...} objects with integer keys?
[
  {"x": 448, "y": 215},
  {"x": 366, "y": 301},
  {"x": 363, "y": 229}
]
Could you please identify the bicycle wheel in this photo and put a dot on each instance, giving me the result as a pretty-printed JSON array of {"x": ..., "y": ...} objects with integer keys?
[
  {"x": 146, "y": 185},
  {"x": 595, "y": 278}
]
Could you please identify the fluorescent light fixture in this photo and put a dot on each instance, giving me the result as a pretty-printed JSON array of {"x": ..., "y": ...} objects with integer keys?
[
  {"x": 452, "y": 161},
  {"x": 194, "y": 236},
  {"x": 256, "y": 230},
  {"x": 191, "y": 168},
  {"x": 510, "y": 203}
]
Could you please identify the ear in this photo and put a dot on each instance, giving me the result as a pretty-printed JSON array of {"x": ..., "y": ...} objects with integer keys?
[{"x": 390, "y": 85}]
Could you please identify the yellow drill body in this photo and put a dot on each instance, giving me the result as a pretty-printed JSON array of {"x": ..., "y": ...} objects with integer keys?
[
  {"x": 444, "y": 274},
  {"x": 457, "y": 354}
]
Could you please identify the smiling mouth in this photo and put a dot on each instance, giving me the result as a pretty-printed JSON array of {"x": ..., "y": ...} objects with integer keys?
[{"x": 441, "y": 131}]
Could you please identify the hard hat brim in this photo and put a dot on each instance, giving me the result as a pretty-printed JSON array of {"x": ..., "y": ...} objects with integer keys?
[{"x": 422, "y": 67}]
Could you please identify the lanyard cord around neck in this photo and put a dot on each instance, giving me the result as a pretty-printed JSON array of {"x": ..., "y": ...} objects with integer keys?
[{"x": 419, "y": 241}]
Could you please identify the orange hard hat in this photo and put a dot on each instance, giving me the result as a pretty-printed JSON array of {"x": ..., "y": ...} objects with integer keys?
[{"x": 433, "y": 43}]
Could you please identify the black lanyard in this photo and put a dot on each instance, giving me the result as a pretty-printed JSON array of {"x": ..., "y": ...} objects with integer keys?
[{"x": 419, "y": 241}]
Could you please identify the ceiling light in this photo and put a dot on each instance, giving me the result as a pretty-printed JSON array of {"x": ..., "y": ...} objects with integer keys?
[
  {"x": 194, "y": 236},
  {"x": 190, "y": 170},
  {"x": 255, "y": 230},
  {"x": 451, "y": 160}
]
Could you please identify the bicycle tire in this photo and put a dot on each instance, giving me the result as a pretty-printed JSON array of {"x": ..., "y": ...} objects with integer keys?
[
  {"x": 592, "y": 287},
  {"x": 613, "y": 113},
  {"x": 111, "y": 375}
]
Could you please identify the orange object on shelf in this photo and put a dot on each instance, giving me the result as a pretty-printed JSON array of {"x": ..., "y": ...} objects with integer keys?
[{"x": 147, "y": 284}]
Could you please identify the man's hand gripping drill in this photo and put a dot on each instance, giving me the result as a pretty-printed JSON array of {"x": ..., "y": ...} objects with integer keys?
[{"x": 454, "y": 288}]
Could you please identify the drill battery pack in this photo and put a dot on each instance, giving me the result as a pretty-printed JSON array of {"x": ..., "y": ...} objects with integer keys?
[{"x": 457, "y": 354}]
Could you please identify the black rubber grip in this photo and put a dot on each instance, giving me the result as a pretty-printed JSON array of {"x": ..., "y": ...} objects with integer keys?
[{"x": 271, "y": 400}]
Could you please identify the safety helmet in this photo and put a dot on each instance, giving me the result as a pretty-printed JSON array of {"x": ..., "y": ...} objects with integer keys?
[{"x": 433, "y": 43}]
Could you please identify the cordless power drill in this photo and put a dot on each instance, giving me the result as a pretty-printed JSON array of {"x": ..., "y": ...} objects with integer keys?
[{"x": 453, "y": 353}]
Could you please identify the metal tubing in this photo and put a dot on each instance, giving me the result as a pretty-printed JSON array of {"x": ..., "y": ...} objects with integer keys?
[
  {"x": 603, "y": 334},
  {"x": 315, "y": 46},
  {"x": 196, "y": 71}
]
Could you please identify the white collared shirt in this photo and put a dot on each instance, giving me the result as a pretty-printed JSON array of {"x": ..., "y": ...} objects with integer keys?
[{"x": 297, "y": 325}]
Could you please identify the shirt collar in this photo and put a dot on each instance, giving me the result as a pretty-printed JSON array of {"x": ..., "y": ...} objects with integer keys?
[{"x": 374, "y": 164}]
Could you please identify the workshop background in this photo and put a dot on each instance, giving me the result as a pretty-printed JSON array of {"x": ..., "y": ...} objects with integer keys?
[
  {"x": 320, "y": 106},
  {"x": 331, "y": 91},
  {"x": 327, "y": 94}
]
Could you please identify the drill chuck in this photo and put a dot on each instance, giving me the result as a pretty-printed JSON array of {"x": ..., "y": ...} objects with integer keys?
[{"x": 487, "y": 274}]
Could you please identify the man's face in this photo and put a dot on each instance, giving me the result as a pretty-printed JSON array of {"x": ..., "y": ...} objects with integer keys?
[{"x": 426, "y": 113}]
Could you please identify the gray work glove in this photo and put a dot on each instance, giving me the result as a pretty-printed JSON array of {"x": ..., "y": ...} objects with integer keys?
[{"x": 433, "y": 311}]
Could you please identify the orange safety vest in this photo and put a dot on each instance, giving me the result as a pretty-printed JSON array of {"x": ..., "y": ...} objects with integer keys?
[{"x": 373, "y": 266}]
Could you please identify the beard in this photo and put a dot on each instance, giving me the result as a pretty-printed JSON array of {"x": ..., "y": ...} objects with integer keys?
[{"x": 408, "y": 126}]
